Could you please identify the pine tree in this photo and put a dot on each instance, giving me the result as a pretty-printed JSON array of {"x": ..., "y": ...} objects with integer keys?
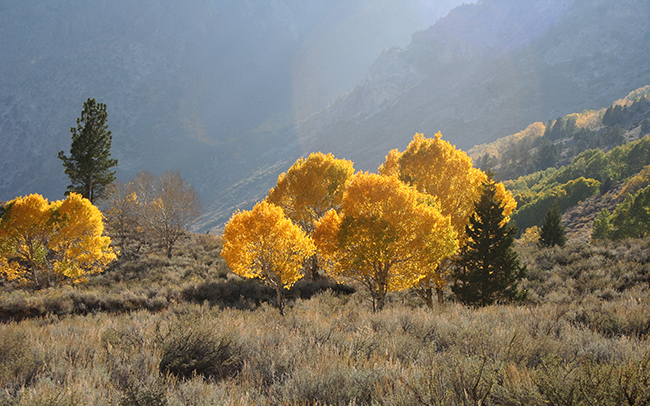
[
  {"x": 89, "y": 165},
  {"x": 488, "y": 268},
  {"x": 552, "y": 230}
]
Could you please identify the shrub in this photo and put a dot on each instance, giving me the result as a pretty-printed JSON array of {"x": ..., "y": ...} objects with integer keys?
[
  {"x": 191, "y": 351},
  {"x": 20, "y": 363},
  {"x": 138, "y": 395}
]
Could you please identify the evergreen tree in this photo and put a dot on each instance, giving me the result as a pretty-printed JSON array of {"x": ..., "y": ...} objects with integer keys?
[
  {"x": 547, "y": 155},
  {"x": 488, "y": 268},
  {"x": 89, "y": 165},
  {"x": 552, "y": 230}
]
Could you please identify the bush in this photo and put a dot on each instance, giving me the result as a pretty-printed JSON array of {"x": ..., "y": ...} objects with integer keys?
[
  {"x": 20, "y": 363},
  {"x": 191, "y": 351},
  {"x": 138, "y": 395},
  {"x": 248, "y": 294}
]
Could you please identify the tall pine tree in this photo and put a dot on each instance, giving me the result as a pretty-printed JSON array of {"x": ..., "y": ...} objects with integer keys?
[
  {"x": 552, "y": 231},
  {"x": 488, "y": 268},
  {"x": 89, "y": 165}
]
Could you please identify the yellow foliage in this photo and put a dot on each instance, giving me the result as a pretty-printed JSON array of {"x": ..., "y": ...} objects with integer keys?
[
  {"x": 62, "y": 238},
  {"x": 439, "y": 169},
  {"x": 446, "y": 174},
  {"x": 78, "y": 238},
  {"x": 311, "y": 187},
  {"x": 529, "y": 237},
  {"x": 636, "y": 183},
  {"x": 263, "y": 243},
  {"x": 386, "y": 234},
  {"x": 494, "y": 149}
]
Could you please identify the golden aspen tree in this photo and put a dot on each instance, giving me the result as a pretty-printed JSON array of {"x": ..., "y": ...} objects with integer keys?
[
  {"x": 79, "y": 246},
  {"x": 445, "y": 173},
  {"x": 308, "y": 190},
  {"x": 44, "y": 242},
  {"x": 263, "y": 243},
  {"x": 25, "y": 229},
  {"x": 386, "y": 233}
]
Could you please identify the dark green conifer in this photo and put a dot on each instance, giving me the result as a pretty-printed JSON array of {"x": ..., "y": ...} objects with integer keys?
[
  {"x": 552, "y": 231},
  {"x": 488, "y": 269},
  {"x": 89, "y": 165}
]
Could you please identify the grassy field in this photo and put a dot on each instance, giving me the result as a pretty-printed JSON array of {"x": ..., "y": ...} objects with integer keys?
[{"x": 183, "y": 331}]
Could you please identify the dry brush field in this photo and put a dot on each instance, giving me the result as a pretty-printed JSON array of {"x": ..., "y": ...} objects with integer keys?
[{"x": 155, "y": 331}]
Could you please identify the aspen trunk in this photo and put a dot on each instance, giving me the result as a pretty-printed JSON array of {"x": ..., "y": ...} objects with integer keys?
[{"x": 280, "y": 298}]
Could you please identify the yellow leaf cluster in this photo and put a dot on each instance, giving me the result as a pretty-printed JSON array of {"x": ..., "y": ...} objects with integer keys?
[
  {"x": 78, "y": 240},
  {"x": 445, "y": 173},
  {"x": 529, "y": 237},
  {"x": 263, "y": 243},
  {"x": 62, "y": 238},
  {"x": 311, "y": 187},
  {"x": 385, "y": 234}
]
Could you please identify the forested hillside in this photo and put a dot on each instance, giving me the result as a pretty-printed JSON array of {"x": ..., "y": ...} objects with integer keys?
[{"x": 584, "y": 162}]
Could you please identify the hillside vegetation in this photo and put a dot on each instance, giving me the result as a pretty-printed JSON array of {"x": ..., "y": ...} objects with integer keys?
[
  {"x": 186, "y": 332},
  {"x": 584, "y": 162},
  {"x": 175, "y": 325}
]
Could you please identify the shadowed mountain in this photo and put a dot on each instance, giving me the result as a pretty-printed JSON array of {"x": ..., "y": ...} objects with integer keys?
[
  {"x": 205, "y": 86},
  {"x": 488, "y": 70}
]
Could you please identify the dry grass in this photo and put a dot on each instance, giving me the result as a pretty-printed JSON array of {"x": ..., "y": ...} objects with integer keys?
[{"x": 583, "y": 340}]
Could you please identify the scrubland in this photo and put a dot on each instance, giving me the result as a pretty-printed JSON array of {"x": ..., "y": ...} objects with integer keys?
[{"x": 155, "y": 331}]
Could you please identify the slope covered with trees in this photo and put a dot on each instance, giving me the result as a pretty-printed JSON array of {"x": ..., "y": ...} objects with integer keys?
[{"x": 589, "y": 165}]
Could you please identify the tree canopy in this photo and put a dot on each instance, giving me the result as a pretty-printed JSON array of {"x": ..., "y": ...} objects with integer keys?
[
  {"x": 42, "y": 243},
  {"x": 385, "y": 234},
  {"x": 89, "y": 165},
  {"x": 446, "y": 174},
  {"x": 263, "y": 243},
  {"x": 311, "y": 187},
  {"x": 308, "y": 190}
]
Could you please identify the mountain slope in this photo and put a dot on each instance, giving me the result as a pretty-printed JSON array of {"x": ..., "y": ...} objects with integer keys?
[
  {"x": 488, "y": 70},
  {"x": 205, "y": 86}
]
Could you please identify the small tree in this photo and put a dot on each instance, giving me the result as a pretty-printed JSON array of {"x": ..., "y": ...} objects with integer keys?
[
  {"x": 122, "y": 214},
  {"x": 89, "y": 165},
  {"x": 263, "y": 243},
  {"x": 152, "y": 209},
  {"x": 386, "y": 234},
  {"x": 602, "y": 226},
  {"x": 488, "y": 268},
  {"x": 43, "y": 242},
  {"x": 552, "y": 230},
  {"x": 169, "y": 211}
]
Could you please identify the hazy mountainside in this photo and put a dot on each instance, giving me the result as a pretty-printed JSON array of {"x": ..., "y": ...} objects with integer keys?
[
  {"x": 219, "y": 89},
  {"x": 209, "y": 87},
  {"x": 488, "y": 70},
  {"x": 485, "y": 71}
]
